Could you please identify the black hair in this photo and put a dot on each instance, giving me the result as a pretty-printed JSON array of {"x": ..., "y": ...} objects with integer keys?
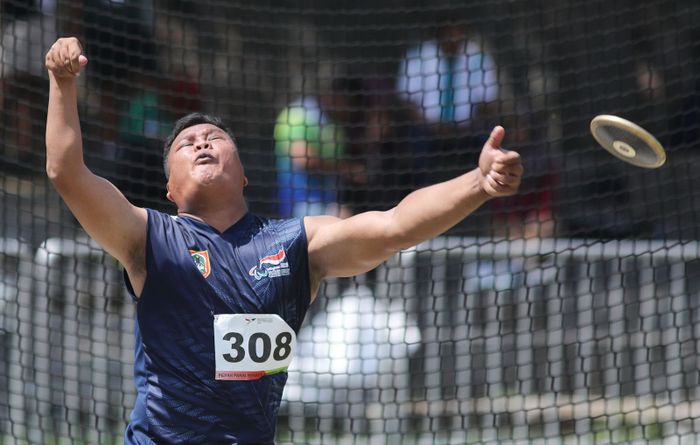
[{"x": 188, "y": 121}]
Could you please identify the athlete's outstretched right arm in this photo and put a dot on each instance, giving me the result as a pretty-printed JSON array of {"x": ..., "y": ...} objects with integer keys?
[{"x": 103, "y": 211}]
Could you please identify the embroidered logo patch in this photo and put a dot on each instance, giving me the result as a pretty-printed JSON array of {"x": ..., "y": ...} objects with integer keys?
[
  {"x": 201, "y": 260},
  {"x": 272, "y": 266}
]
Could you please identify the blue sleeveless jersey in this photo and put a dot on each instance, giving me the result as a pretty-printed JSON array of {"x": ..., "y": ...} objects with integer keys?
[{"x": 193, "y": 273}]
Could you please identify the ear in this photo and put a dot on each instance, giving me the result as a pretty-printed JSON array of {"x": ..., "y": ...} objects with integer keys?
[{"x": 168, "y": 194}]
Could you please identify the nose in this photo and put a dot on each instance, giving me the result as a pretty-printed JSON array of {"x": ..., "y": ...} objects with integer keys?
[{"x": 202, "y": 144}]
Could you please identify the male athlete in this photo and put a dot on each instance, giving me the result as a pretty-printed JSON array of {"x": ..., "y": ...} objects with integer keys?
[{"x": 220, "y": 293}]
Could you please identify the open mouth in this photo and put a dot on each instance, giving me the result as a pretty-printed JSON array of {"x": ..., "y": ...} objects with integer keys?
[{"x": 204, "y": 158}]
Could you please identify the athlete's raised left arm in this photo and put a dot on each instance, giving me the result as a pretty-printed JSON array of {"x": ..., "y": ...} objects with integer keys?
[{"x": 360, "y": 243}]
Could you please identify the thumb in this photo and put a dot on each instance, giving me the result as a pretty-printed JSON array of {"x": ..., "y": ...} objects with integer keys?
[
  {"x": 496, "y": 137},
  {"x": 82, "y": 60}
]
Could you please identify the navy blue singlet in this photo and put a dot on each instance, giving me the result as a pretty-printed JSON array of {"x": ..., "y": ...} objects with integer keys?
[{"x": 193, "y": 273}]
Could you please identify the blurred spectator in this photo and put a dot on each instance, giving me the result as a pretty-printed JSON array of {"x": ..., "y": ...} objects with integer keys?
[
  {"x": 311, "y": 149},
  {"x": 136, "y": 102},
  {"x": 394, "y": 146},
  {"x": 452, "y": 79},
  {"x": 177, "y": 45},
  {"x": 144, "y": 124},
  {"x": 643, "y": 89},
  {"x": 28, "y": 28},
  {"x": 153, "y": 102},
  {"x": 453, "y": 83}
]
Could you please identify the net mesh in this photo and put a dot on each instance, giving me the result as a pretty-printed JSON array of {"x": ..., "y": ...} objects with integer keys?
[{"x": 566, "y": 314}]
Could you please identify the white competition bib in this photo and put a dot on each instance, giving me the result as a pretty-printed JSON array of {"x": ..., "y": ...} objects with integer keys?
[{"x": 251, "y": 346}]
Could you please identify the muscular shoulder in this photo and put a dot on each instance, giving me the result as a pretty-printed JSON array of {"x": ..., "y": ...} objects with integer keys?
[
  {"x": 315, "y": 224},
  {"x": 317, "y": 239}
]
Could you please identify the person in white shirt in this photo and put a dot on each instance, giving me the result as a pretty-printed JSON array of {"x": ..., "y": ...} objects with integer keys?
[{"x": 449, "y": 78}]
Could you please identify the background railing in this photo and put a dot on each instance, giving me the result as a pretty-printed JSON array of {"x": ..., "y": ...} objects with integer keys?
[{"x": 548, "y": 335}]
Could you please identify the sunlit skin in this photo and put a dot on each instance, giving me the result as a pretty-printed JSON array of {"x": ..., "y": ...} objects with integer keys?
[{"x": 206, "y": 176}]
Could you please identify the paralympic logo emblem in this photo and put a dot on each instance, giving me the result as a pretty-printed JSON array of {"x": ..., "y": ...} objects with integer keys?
[{"x": 271, "y": 266}]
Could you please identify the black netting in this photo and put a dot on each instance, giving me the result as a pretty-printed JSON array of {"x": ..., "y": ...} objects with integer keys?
[{"x": 566, "y": 313}]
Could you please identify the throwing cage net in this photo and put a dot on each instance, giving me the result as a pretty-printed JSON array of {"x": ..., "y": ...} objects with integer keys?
[{"x": 566, "y": 314}]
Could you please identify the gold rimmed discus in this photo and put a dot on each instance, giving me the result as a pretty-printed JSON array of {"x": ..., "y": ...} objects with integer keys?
[{"x": 628, "y": 141}]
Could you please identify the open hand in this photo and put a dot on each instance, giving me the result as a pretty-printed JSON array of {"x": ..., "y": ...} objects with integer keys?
[
  {"x": 501, "y": 169},
  {"x": 65, "y": 58}
]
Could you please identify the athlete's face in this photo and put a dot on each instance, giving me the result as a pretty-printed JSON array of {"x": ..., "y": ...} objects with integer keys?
[{"x": 201, "y": 156}]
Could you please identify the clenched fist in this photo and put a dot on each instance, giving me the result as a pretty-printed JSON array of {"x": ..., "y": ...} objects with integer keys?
[
  {"x": 501, "y": 170},
  {"x": 65, "y": 58}
]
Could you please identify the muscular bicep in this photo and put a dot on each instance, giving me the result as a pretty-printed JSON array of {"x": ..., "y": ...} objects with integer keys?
[
  {"x": 107, "y": 216},
  {"x": 347, "y": 247}
]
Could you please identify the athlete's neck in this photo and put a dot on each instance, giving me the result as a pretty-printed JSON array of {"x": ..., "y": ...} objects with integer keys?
[{"x": 220, "y": 219}]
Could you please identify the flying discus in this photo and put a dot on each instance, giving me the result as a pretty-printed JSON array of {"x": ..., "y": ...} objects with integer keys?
[{"x": 628, "y": 141}]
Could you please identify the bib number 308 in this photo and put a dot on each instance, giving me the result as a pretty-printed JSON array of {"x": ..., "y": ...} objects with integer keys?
[{"x": 248, "y": 347}]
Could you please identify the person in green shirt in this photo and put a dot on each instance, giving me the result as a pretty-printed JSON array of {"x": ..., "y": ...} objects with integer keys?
[{"x": 311, "y": 149}]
